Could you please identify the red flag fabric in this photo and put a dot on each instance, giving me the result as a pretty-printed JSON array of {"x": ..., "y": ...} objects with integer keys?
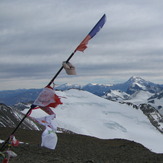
[
  {"x": 47, "y": 98},
  {"x": 83, "y": 45},
  {"x": 14, "y": 141},
  {"x": 5, "y": 160},
  {"x": 45, "y": 109}
]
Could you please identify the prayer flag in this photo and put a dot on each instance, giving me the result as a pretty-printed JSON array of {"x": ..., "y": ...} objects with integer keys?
[
  {"x": 83, "y": 45},
  {"x": 14, "y": 141},
  {"x": 49, "y": 138},
  {"x": 48, "y": 121},
  {"x": 47, "y": 98}
]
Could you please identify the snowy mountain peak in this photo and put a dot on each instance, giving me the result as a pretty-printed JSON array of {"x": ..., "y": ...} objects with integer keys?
[
  {"x": 137, "y": 83},
  {"x": 136, "y": 79}
]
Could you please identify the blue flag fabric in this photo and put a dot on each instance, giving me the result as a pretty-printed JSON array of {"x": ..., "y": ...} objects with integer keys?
[{"x": 83, "y": 45}]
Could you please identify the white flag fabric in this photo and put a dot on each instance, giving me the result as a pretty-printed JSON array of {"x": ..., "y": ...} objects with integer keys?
[
  {"x": 46, "y": 97},
  {"x": 49, "y": 139},
  {"x": 69, "y": 68},
  {"x": 48, "y": 121},
  {"x": 11, "y": 153}
]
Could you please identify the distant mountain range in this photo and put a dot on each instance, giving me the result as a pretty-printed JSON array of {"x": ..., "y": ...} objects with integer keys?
[
  {"x": 11, "y": 97},
  {"x": 133, "y": 85},
  {"x": 124, "y": 90}
]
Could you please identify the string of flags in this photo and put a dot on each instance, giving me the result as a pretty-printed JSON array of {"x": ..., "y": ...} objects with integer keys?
[
  {"x": 8, "y": 153},
  {"x": 48, "y": 99}
]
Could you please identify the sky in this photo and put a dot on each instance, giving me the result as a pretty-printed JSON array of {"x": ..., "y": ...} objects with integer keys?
[{"x": 36, "y": 36}]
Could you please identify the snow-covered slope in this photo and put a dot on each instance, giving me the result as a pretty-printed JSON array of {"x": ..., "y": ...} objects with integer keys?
[
  {"x": 157, "y": 101},
  {"x": 139, "y": 97},
  {"x": 68, "y": 86},
  {"x": 88, "y": 114},
  {"x": 116, "y": 95}
]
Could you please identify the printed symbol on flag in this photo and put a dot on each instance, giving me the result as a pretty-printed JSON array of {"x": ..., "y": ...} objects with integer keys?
[{"x": 45, "y": 98}]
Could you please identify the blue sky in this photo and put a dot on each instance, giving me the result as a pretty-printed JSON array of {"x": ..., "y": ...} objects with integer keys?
[{"x": 37, "y": 35}]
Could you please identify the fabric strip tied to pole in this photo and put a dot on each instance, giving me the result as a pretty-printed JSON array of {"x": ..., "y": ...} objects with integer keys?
[
  {"x": 69, "y": 68},
  {"x": 49, "y": 138}
]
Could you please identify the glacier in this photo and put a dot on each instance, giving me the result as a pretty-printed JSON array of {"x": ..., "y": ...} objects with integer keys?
[{"x": 85, "y": 113}]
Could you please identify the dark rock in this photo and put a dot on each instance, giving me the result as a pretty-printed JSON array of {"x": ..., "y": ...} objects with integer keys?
[{"x": 73, "y": 148}]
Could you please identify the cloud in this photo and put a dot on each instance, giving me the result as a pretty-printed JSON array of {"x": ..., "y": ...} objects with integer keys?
[{"x": 36, "y": 36}]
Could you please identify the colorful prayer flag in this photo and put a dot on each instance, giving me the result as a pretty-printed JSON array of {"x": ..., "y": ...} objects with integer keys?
[
  {"x": 83, "y": 45},
  {"x": 49, "y": 138},
  {"x": 47, "y": 98},
  {"x": 47, "y": 121},
  {"x": 14, "y": 141}
]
